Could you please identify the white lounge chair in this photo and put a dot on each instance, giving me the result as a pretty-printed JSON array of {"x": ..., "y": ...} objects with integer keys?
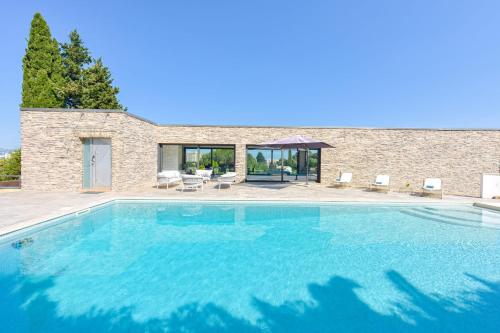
[
  {"x": 190, "y": 182},
  {"x": 206, "y": 174},
  {"x": 228, "y": 178},
  {"x": 432, "y": 186},
  {"x": 168, "y": 177},
  {"x": 344, "y": 179},
  {"x": 287, "y": 169},
  {"x": 381, "y": 183}
]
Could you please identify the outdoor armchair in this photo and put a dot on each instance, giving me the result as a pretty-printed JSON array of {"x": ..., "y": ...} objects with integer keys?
[
  {"x": 206, "y": 174},
  {"x": 168, "y": 177},
  {"x": 228, "y": 178},
  {"x": 190, "y": 182}
]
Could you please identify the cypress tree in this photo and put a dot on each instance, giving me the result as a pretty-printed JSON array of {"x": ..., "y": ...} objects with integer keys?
[
  {"x": 97, "y": 89},
  {"x": 74, "y": 57},
  {"x": 43, "y": 82}
]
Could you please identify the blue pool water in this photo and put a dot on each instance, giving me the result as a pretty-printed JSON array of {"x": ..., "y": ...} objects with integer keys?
[{"x": 255, "y": 267}]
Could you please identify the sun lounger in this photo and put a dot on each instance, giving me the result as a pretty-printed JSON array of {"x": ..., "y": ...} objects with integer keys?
[
  {"x": 344, "y": 179},
  {"x": 433, "y": 186},
  {"x": 381, "y": 183}
]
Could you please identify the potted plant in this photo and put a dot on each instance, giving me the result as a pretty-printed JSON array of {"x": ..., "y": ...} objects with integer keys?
[{"x": 215, "y": 168}]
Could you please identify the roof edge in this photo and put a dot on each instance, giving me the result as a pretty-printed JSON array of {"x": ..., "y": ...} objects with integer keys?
[
  {"x": 89, "y": 111},
  {"x": 70, "y": 110},
  {"x": 23, "y": 109}
]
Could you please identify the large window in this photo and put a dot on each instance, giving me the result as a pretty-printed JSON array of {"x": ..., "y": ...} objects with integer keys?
[
  {"x": 264, "y": 164},
  {"x": 220, "y": 159},
  {"x": 188, "y": 158},
  {"x": 223, "y": 158}
]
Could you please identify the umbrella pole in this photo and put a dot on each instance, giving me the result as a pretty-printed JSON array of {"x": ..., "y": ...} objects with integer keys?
[
  {"x": 298, "y": 164},
  {"x": 282, "y": 165},
  {"x": 307, "y": 166}
]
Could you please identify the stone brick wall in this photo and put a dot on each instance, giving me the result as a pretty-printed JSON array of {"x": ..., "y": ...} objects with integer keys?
[
  {"x": 51, "y": 142},
  {"x": 52, "y": 150}
]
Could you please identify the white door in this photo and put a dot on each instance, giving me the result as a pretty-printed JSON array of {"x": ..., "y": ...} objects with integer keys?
[{"x": 97, "y": 164}]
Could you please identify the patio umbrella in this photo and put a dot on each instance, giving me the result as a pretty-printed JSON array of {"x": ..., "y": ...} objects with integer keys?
[{"x": 299, "y": 142}]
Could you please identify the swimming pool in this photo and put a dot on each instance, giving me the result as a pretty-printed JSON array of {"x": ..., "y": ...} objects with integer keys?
[{"x": 134, "y": 266}]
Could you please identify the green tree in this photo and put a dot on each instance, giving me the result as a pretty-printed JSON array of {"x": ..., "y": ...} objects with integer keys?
[
  {"x": 290, "y": 159},
  {"x": 75, "y": 56},
  {"x": 261, "y": 162},
  {"x": 313, "y": 159},
  {"x": 11, "y": 165},
  {"x": 223, "y": 155},
  {"x": 224, "y": 158},
  {"x": 205, "y": 160},
  {"x": 97, "y": 89},
  {"x": 261, "y": 158},
  {"x": 251, "y": 162},
  {"x": 43, "y": 82}
]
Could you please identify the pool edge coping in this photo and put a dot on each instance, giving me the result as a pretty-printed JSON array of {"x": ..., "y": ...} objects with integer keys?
[
  {"x": 7, "y": 230},
  {"x": 487, "y": 206}
]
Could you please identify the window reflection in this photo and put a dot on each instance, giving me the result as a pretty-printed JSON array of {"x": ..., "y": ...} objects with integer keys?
[
  {"x": 189, "y": 158},
  {"x": 265, "y": 164}
]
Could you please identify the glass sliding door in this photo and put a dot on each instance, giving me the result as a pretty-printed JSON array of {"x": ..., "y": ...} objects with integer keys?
[
  {"x": 314, "y": 164},
  {"x": 222, "y": 160},
  {"x": 170, "y": 158},
  {"x": 219, "y": 159},
  {"x": 265, "y": 164},
  {"x": 204, "y": 158},
  {"x": 290, "y": 164},
  {"x": 308, "y": 163},
  {"x": 189, "y": 158}
]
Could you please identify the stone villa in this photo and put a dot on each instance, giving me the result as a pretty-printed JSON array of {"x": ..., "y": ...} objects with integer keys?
[{"x": 75, "y": 150}]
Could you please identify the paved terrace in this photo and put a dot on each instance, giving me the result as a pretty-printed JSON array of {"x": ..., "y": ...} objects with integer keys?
[{"x": 19, "y": 209}]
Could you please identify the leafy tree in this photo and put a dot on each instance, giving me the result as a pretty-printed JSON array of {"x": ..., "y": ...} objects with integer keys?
[
  {"x": 11, "y": 165},
  {"x": 313, "y": 159},
  {"x": 290, "y": 159},
  {"x": 75, "y": 56},
  {"x": 224, "y": 158},
  {"x": 251, "y": 162},
  {"x": 261, "y": 158},
  {"x": 205, "y": 160},
  {"x": 224, "y": 155},
  {"x": 43, "y": 82},
  {"x": 97, "y": 89}
]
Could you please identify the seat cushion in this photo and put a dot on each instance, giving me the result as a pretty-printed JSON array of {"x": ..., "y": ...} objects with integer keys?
[
  {"x": 204, "y": 173},
  {"x": 169, "y": 174}
]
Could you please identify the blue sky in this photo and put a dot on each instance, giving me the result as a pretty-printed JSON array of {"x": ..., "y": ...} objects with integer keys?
[{"x": 400, "y": 63}]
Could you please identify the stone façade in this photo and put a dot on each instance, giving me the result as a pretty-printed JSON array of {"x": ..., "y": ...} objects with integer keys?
[{"x": 51, "y": 141}]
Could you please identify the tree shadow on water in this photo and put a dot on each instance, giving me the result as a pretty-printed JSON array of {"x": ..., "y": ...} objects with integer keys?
[{"x": 335, "y": 307}]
